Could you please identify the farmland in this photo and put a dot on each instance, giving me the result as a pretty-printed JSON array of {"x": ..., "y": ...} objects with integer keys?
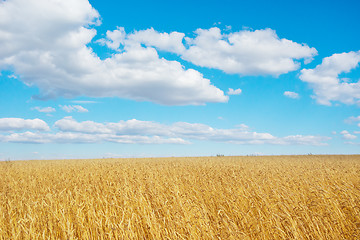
[{"x": 263, "y": 197}]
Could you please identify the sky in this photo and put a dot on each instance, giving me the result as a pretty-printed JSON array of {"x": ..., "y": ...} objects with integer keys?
[{"x": 102, "y": 79}]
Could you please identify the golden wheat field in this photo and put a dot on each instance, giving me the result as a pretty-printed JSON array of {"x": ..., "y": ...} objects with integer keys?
[{"x": 273, "y": 197}]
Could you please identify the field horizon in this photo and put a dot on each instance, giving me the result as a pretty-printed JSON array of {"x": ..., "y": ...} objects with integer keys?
[{"x": 184, "y": 157}]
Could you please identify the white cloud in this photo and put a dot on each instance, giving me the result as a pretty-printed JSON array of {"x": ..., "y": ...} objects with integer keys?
[
  {"x": 352, "y": 143},
  {"x": 243, "y": 126},
  {"x": 84, "y": 132},
  {"x": 45, "y": 42},
  {"x": 303, "y": 140},
  {"x": 326, "y": 83},
  {"x": 83, "y": 101},
  {"x": 19, "y": 124},
  {"x": 118, "y": 39},
  {"x": 45, "y": 109},
  {"x": 356, "y": 132},
  {"x": 74, "y": 137},
  {"x": 146, "y": 140},
  {"x": 114, "y": 39},
  {"x": 41, "y": 23},
  {"x": 73, "y": 108},
  {"x": 68, "y": 124},
  {"x": 12, "y": 76},
  {"x": 293, "y": 95},
  {"x": 259, "y": 52},
  {"x": 130, "y": 127},
  {"x": 25, "y": 137},
  {"x": 147, "y": 132},
  {"x": 183, "y": 130},
  {"x": 352, "y": 119},
  {"x": 234, "y": 92},
  {"x": 347, "y": 135},
  {"x": 170, "y": 42}
]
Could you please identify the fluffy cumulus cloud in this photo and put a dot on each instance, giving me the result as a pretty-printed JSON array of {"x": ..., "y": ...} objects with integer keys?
[
  {"x": 68, "y": 124},
  {"x": 114, "y": 39},
  {"x": 326, "y": 83},
  {"x": 56, "y": 35},
  {"x": 259, "y": 52},
  {"x": 234, "y": 92},
  {"x": 346, "y": 135},
  {"x": 46, "y": 43},
  {"x": 135, "y": 131},
  {"x": 74, "y": 108},
  {"x": 290, "y": 94},
  {"x": 170, "y": 42},
  {"x": 19, "y": 124}
]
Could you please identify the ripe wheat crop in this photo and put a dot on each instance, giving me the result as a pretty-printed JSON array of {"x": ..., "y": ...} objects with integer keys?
[{"x": 275, "y": 197}]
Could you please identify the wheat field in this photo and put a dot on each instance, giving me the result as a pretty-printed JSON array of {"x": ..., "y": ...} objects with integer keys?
[{"x": 272, "y": 197}]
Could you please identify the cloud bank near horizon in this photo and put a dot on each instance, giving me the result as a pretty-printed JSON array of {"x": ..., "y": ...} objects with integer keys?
[{"x": 68, "y": 130}]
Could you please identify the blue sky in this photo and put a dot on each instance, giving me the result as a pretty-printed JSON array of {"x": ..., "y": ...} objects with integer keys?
[{"x": 92, "y": 79}]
